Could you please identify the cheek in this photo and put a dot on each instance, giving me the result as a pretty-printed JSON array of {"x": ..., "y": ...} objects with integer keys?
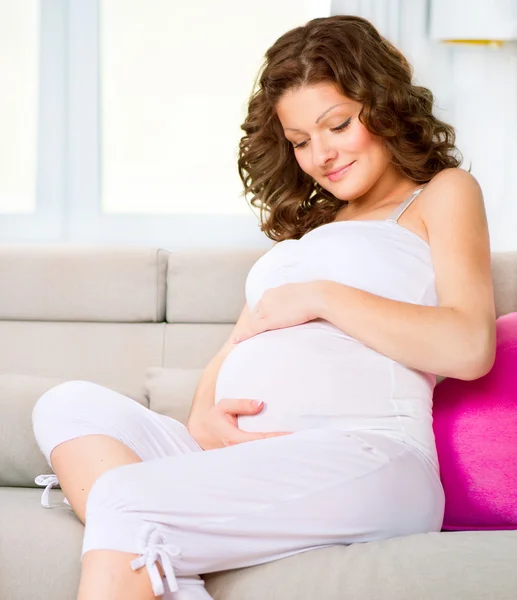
[
  {"x": 304, "y": 162},
  {"x": 360, "y": 140},
  {"x": 371, "y": 147}
]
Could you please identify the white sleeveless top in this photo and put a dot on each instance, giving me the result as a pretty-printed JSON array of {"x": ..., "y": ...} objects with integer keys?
[{"x": 314, "y": 375}]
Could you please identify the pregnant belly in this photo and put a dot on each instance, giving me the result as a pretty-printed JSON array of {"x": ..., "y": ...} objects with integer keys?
[{"x": 307, "y": 376}]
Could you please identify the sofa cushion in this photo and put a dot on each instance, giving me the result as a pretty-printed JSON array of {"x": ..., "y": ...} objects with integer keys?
[
  {"x": 115, "y": 355},
  {"x": 40, "y": 548},
  {"x": 66, "y": 282},
  {"x": 504, "y": 276},
  {"x": 40, "y": 557},
  {"x": 193, "y": 345},
  {"x": 445, "y": 566},
  {"x": 20, "y": 458},
  {"x": 170, "y": 391},
  {"x": 207, "y": 287},
  {"x": 475, "y": 426}
]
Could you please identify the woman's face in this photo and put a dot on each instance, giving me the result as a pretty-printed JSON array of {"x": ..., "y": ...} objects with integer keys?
[{"x": 330, "y": 143}]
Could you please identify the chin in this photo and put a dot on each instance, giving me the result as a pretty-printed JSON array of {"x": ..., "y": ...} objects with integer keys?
[
  {"x": 344, "y": 196},
  {"x": 346, "y": 193},
  {"x": 349, "y": 192}
]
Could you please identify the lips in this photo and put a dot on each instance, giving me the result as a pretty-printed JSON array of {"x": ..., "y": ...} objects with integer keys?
[{"x": 338, "y": 173}]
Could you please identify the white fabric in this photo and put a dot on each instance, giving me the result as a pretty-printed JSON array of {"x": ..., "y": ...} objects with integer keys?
[
  {"x": 195, "y": 511},
  {"x": 49, "y": 481},
  {"x": 316, "y": 376},
  {"x": 154, "y": 549}
]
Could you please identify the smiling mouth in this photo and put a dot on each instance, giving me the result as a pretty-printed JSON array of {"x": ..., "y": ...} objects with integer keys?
[{"x": 335, "y": 175}]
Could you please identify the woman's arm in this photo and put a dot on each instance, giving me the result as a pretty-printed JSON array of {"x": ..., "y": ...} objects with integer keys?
[{"x": 455, "y": 339}]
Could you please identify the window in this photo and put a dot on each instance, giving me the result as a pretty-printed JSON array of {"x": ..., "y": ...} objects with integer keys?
[
  {"x": 123, "y": 118},
  {"x": 32, "y": 121},
  {"x": 174, "y": 83},
  {"x": 19, "y": 73}
]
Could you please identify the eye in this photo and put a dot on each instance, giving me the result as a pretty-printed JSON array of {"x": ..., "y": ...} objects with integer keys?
[
  {"x": 337, "y": 129},
  {"x": 342, "y": 126}
]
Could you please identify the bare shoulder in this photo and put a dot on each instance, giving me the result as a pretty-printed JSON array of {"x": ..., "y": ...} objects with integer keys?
[
  {"x": 452, "y": 204},
  {"x": 454, "y": 176},
  {"x": 450, "y": 192}
]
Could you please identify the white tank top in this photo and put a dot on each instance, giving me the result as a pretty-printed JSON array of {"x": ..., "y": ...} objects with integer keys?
[{"x": 314, "y": 375}]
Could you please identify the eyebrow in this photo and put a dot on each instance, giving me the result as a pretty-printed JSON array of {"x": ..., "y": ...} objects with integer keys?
[{"x": 320, "y": 117}]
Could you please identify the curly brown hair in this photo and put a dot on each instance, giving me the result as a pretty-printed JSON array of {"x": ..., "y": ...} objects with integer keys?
[{"x": 348, "y": 52}]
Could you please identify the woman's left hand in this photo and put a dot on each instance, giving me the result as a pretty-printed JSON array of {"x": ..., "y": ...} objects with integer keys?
[{"x": 284, "y": 306}]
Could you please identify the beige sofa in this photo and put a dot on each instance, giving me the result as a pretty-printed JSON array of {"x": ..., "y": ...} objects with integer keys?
[{"x": 145, "y": 322}]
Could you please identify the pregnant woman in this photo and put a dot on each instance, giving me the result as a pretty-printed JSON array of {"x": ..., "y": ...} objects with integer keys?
[{"x": 312, "y": 426}]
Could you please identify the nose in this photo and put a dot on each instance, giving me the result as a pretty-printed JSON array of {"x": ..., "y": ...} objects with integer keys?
[{"x": 322, "y": 156}]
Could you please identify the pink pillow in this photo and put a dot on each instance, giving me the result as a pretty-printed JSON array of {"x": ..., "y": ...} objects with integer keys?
[{"x": 475, "y": 427}]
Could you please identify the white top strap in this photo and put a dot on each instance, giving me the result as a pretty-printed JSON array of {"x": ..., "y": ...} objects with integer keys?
[{"x": 396, "y": 214}]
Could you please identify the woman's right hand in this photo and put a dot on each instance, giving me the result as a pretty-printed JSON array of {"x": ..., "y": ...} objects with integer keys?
[{"x": 218, "y": 427}]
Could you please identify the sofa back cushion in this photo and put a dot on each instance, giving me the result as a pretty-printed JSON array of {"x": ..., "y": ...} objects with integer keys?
[
  {"x": 20, "y": 458},
  {"x": 65, "y": 282}
]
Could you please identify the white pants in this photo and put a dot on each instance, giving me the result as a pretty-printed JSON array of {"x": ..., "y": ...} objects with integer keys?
[{"x": 195, "y": 511}]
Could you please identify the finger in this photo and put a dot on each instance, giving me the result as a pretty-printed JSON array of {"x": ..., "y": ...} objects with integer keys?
[
  {"x": 254, "y": 327},
  {"x": 243, "y": 335},
  {"x": 239, "y": 406}
]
